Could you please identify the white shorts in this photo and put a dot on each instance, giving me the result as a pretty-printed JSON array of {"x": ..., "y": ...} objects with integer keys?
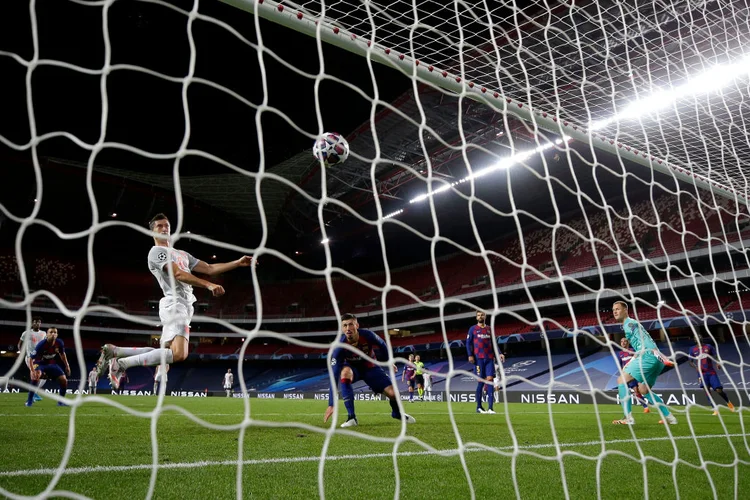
[
  {"x": 175, "y": 319},
  {"x": 160, "y": 379},
  {"x": 427, "y": 384},
  {"x": 227, "y": 386}
]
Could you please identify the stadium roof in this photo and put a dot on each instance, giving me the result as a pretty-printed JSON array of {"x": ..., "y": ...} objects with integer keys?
[{"x": 151, "y": 57}]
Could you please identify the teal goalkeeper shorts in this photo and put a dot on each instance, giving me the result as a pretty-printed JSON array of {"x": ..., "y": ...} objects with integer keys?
[{"x": 645, "y": 369}]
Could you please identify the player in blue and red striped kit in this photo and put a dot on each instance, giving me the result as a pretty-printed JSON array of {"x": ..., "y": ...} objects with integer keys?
[
  {"x": 44, "y": 362},
  {"x": 349, "y": 366},
  {"x": 709, "y": 379},
  {"x": 625, "y": 355},
  {"x": 482, "y": 354},
  {"x": 409, "y": 374}
]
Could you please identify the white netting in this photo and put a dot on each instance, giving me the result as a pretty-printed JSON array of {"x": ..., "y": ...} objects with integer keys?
[{"x": 543, "y": 75}]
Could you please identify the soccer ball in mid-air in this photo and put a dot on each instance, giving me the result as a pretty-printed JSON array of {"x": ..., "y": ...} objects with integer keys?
[{"x": 331, "y": 149}]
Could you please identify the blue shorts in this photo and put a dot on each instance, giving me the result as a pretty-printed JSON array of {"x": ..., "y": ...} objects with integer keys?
[
  {"x": 410, "y": 383},
  {"x": 51, "y": 371},
  {"x": 485, "y": 367},
  {"x": 375, "y": 378},
  {"x": 710, "y": 380}
]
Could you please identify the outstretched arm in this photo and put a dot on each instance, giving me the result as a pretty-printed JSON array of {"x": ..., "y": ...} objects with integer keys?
[
  {"x": 192, "y": 280},
  {"x": 217, "y": 269}
]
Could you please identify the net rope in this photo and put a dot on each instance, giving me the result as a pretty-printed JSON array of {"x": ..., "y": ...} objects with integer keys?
[
  {"x": 558, "y": 67},
  {"x": 586, "y": 61}
]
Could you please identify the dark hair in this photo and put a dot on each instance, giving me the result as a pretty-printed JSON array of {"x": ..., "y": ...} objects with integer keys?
[
  {"x": 36, "y": 318},
  {"x": 347, "y": 317},
  {"x": 159, "y": 216}
]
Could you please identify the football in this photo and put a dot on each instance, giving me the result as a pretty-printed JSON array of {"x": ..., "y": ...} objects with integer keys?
[{"x": 331, "y": 149}]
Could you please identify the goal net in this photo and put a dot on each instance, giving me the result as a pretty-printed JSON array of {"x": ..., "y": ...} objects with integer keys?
[{"x": 534, "y": 161}]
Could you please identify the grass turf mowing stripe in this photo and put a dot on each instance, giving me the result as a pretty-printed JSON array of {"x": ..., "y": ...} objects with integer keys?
[{"x": 265, "y": 461}]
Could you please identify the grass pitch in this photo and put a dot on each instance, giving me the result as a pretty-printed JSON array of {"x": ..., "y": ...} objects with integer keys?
[{"x": 198, "y": 442}]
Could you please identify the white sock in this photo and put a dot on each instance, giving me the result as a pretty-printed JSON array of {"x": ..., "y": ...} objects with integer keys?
[
  {"x": 150, "y": 358},
  {"x": 124, "y": 352},
  {"x": 42, "y": 382}
]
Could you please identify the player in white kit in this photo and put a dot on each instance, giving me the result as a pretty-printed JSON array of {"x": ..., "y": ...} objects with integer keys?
[
  {"x": 427, "y": 385},
  {"x": 175, "y": 308},
  {"x": 93, "y": 380},
  {"x": 160, "y": 377},
  {"x": 26, "y": 344},
  {"x": 228, "y": 382}
]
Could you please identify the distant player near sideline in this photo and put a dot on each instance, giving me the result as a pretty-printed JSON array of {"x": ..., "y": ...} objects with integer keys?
[
  {"x": 709, "y": 379},
  {"x": 93, "y": 380},
  {"x": 498, "y": 377},
  {"x": 228, "y": 382},
  {"x": 419, "y": 376},
  {"x": 645, "y": 367},
  {"x": 175, "y": 308},
  {"x": 625, "y": 356},
  {"x": 410, "y": 373},
  {"x": 45, "y": 362},
  {"x": 161, "y": 377},
  {"x": 349, "y": 367},
  {"x": 427, "y": 385},
  {"x": 482, "y": 355},
  {"x": 26, "y": 344}
]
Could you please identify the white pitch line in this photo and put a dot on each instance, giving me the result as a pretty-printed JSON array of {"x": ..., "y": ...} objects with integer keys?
[
  {"x": 172, "y": 413},
  {"x": 291, "y": 460}
]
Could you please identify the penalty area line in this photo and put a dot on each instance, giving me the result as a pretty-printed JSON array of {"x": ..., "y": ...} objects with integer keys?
[{"x": 333, "y": 458}]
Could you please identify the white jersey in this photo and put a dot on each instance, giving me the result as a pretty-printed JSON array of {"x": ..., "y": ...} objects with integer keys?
[
  {"x": 93, "y": 379},
  {"x": 158, "y": 257},
  {"x": 228, "y": 380},
  {"x": 160, "y": 376},
  {"x": 29, "y": 340}
]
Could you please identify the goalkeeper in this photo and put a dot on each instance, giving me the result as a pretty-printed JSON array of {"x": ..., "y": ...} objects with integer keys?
[{"x": 646, "y": 365}]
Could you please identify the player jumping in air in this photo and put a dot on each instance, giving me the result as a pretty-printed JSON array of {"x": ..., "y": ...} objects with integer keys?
[
  {"x": 44, "y": 361},
  {"x": 625, "y": 356},
  {"x": 228, "y": 382},
  {"x": 645, "y": 367},
  {"x": 482, "y": 355},
  {"x": 709, "y": 379},
  {"x": 349, "y": 367},
  {"x": 409, "y": 374},
  {"x": 29, "y": 339},
  {"x": 175, "y": 308}
]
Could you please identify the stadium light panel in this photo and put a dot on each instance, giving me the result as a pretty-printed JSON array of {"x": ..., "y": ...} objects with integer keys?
[
  {"x": 501, "y": 165},
  {"x": 393, "y": 214},
  {"x": 709, "y": 81}
]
